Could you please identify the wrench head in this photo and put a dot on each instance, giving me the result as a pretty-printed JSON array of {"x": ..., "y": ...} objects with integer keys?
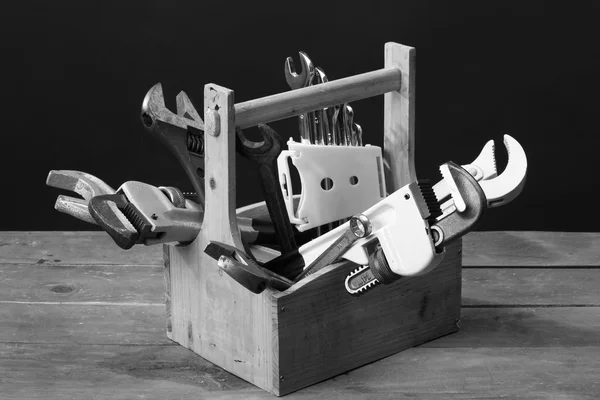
[
  {"x": 85, "y": 185},
  {"x": 299, "y": 80},
  {"x": 320, "y": 76},
  {"x": 267, "y": 149},
  {"x": 505, "y": 187},
  {"x": 155, "y": 111}
]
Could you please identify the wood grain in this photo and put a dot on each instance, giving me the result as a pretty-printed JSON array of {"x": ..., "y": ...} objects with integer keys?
[
  {"x": 532, "y": 249},
  {"x": 324, "y": 331},
  {"x": 89, "y": 283},
  {"x": 142, "y": 284},
  {"x": 82, "y": 324},
  {"x": 73, "y": 248},
  {"x": 210, "y": 313},
  {"x": 531, "y": 286},
  {"x": 295, "y": 102},
  {"x": 172, "y": 372},
  {"x": 143, "y": 325},
  {"x": 399, "y": 119},
  {"x": 481, "y": 249}
]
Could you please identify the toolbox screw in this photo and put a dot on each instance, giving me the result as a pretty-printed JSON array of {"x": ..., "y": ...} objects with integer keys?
[
  {"x": 154, "y": 216},
  {"x": 282, "y": 308},
  {"x": 281, "y": 377},
  {"x": 407, "y": 196}
]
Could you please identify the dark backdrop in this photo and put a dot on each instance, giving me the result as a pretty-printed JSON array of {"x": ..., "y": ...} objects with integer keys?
[{"x": 75, "y": 74}]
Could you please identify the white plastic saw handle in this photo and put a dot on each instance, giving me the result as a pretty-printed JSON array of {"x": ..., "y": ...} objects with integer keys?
[{"x": 337, "y": 181}]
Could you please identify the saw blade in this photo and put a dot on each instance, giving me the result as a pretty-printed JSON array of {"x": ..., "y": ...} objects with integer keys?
[{"x": 360, "y": 280}]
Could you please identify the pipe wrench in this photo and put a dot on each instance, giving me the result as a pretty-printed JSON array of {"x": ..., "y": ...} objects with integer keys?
[
  {"x": 498, "y": 190},
  {"x": 88, "y": 186}
]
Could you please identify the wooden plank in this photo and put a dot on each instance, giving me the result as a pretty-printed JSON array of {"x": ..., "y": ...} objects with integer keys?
[
  {"x": 155, "y": 372},
  {"x": 295, "y": 102},
  {"x": 89, "y": 283},
  {"x": 531, "y": 249},
  {"x": 141, "y": 284},
  {"x": 145, "y": 324},
  {"x": 530, "y": 286},
  {"x": 399, "y": 120},
  {"x": 82, "y": 324},
  {"x": 525, "y": 327},
  {"x": 72, "y": 248},
  {"x": 481, "y": 249}
]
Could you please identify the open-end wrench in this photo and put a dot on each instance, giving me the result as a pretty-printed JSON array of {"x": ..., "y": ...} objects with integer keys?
[
  {"x": 299, "y": 80},
  {"x": 347, "y": 121},
  {"x": 357, "y": 132},
  {"x": 182, "y": 133},
  {"x": 265, "y": 154},
  {"x": 323, "y": 132}
]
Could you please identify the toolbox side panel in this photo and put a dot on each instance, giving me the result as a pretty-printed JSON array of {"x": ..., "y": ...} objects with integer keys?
[{"x": 324, "y": 331}]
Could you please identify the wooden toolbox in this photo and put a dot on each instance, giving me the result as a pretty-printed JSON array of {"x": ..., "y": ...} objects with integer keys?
[{"x": 284, "y": 341}]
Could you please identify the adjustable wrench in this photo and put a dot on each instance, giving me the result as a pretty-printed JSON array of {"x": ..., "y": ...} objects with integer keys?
[
  {"x": 88, "y": 186},
  {"x": 182, "y": 133},
  {"x": 265, "y": 153},
  {"x": 299, "y": 80}
]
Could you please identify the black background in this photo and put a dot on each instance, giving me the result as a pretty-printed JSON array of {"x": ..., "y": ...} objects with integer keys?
[{"x": 75, "y": 74}]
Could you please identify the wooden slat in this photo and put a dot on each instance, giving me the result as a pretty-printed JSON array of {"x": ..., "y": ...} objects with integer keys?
[
  {"x": 130, "y": 324},
  {"x": 530, "y": 286},
  {"x": 525, "y": 327},
  {"x": 82, "y": 324},
  {"x": 531, "y": 249},
  {"x": 480, "y": 249},
  {"x": 74, "y": 248},
  {"x": 172, "y": 372},
  {"x": 142, "y": 284},
  {"x": 90, "y": 283}
]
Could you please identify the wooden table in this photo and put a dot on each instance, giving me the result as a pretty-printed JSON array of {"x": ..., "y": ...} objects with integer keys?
[{"x": 81, "y": 319}]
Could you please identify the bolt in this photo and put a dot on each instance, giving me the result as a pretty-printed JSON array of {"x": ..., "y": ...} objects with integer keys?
[{"x": 154, "y": 216}]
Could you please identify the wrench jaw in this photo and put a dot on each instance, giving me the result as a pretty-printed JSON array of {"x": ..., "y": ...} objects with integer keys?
[
  {"x": 509, "y": 184},
  {"x": 484, "y": 166},
  {"x": 182, "y": 133},
  {"x": 86, "y": 185}
]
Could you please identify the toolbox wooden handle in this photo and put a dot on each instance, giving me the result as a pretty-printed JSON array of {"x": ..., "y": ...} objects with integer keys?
[{"x": 300, "y": 101}]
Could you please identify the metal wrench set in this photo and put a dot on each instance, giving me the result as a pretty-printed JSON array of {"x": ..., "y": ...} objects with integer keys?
[{"x": 387, "y": 236}]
